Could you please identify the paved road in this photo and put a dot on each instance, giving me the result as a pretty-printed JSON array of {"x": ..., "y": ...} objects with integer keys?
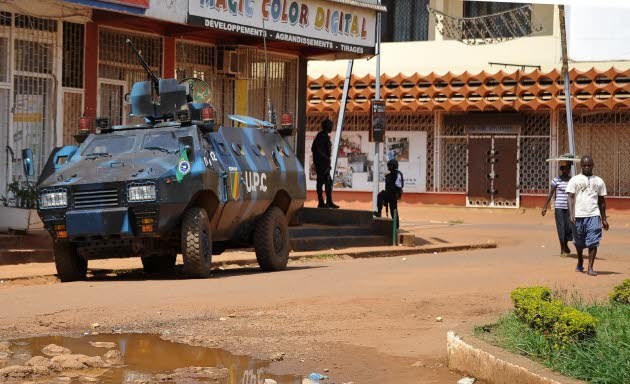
[{"x": 366, "y": 320}]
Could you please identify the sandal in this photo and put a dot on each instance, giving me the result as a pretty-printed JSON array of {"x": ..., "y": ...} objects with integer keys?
[
  {"x": 591, "y": 273},
  {"x": 579, "y": 269}
]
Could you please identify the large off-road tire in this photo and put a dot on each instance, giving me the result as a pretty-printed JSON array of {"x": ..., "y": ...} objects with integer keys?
[
  {"x": 196, "y": 242},
  {"x": 70, "y": 265},
  {"x": 159, "y": 263},
  {"x": 271, "y": 240}
]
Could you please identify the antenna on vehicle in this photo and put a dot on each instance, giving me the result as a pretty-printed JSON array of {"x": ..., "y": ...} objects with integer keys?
[{"x": 154, "y": 78}]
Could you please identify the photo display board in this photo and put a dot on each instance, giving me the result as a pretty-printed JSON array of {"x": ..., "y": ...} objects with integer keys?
[{"x": 356, "y": 159}]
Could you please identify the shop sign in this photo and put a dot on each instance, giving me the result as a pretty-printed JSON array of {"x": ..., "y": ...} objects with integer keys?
[{"x": 314, "y": 23}]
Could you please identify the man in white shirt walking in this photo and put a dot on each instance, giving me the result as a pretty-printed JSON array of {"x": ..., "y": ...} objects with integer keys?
[{"x": 587, "y": 209}]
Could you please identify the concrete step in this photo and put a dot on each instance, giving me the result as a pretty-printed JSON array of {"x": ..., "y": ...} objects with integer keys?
[
  {"x": 325, "y": 216},
  {"x": 318, "y": 230},
  {"x": 23, "y": 256},
  {"x": 38, "y": 241},
  {"x": 317, "y": 243}
]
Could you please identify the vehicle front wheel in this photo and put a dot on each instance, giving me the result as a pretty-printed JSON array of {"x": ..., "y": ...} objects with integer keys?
[
  {"x": 70, "y": 265},
  {"x": 196, "y": 242},
  {"x": 271, "y": 240}
]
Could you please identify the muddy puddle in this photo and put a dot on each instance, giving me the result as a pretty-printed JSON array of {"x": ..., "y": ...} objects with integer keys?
[{"x": 143, "y": 357}]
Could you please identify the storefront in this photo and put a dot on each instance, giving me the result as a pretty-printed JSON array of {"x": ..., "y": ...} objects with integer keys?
[
  {"x": 479, "y": 140},
  {"x": 61, "y": 60}
]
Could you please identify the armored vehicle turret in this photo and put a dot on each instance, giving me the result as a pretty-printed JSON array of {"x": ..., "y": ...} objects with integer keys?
[{"x": 177, "y": 184}]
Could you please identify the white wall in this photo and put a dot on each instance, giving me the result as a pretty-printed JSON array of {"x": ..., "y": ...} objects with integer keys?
[{"x": 442, "y": 56}]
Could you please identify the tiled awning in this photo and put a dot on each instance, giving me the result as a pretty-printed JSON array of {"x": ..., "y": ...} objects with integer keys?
[{"x": 501, "y": 91}]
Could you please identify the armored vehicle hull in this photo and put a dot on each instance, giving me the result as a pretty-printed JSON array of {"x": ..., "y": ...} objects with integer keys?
[{"x": 132, "y": 193}]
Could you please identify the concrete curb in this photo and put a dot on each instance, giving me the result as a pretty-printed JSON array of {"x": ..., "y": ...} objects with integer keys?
[
  {"x": 464, "y": 358},
  {"x": 371, "y": 252}
]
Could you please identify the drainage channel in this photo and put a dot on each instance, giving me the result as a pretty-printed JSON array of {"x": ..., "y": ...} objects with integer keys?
[{"x": 143, "y": 358}]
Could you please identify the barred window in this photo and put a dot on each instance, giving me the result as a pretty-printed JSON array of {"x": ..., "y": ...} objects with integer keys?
[
  {"x": 513, "y": 24},
  {"x": 35, "y": 23},
  {"x": 485, "y": 8},
  {"x": 405, "y": 20},
  {"x": 73, "y": 35},
  {"x": 5, "y": 19}
]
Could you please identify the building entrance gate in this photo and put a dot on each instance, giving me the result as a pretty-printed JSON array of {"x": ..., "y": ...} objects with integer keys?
[{"x": 493, "y": 171}]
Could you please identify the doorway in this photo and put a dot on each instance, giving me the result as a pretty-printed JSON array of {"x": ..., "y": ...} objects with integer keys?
[{"x": 493, "y": 171}]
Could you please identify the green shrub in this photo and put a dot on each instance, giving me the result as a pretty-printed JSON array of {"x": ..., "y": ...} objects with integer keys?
[
  {"x": 527, "y": 302},
  {"x": 621, "y": 293},
  {"x": 535, "y": 307},
  {"x": 573, "y": 325}
]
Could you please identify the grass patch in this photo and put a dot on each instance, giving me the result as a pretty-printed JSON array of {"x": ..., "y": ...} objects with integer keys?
[
  {"x": 458, "y": 221},
  {"x": 603, "y": 359}
]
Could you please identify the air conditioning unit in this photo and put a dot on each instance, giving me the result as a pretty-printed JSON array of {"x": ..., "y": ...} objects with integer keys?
[{"x": 228, "y": 62}]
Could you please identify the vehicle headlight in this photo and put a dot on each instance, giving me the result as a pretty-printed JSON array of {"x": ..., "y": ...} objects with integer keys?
[
  {"x": 56, "y": 199},
  {"x": 144, "y": 192}
]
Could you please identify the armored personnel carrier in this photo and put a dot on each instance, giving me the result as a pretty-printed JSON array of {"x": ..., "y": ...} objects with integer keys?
[{"x": 176, "y": 184}]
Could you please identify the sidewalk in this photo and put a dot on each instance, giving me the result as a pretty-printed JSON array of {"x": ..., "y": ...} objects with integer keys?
[{"x": 244, "y": 258}]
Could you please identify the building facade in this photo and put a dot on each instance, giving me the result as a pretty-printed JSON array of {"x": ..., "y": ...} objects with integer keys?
[
  {"x": 473, "y": 124},
  {"x": 63, "y": 60}
]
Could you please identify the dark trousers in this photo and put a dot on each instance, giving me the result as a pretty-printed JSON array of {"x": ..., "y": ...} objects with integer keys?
[
  {"x": 563, "y": 225},
  {"x": 324, "y": 180},
  {"x": 388, "y": 199}
]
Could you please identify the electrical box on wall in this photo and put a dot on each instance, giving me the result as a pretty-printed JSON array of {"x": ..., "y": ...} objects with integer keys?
[{"x": 379, "y": 121}]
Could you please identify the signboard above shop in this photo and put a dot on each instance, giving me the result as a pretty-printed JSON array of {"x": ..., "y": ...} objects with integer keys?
[
  {"x": 314, "y": 23},
  {"x": 138, "y": 7}
]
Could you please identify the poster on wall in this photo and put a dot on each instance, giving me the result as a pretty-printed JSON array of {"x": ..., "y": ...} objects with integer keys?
[{"x": 356, "y": 160}]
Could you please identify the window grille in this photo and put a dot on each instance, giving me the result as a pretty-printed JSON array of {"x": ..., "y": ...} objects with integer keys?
[
  {"x": 119, "y": 69},
  {"x": 35, "y": 23},
  {"x": 5, "y": 155},
  {"x": 4, "y": 59},
  {"x": 506, "y": 25},
  {"x": 535, "y": 149},
  {"x": 73, "y": 42},
  {"x": 72, "y": 112},
  {"x": 34, "y": 56},
  {"x": 34, "y": 44},
  {"x": 605, "y": 136},
  {"x": 195, "y": 60},
  {"x": 405, "y": 20},
  {"x": 282, "y": 80},
  {"x": 5, "y": 19}
]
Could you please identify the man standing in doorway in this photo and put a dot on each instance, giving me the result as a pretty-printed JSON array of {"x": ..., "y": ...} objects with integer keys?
[
  {"x": 322, "y": 153},
  {"x": 587, "y": 209}
]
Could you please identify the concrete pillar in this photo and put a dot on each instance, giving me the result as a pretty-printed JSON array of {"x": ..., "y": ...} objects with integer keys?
[{"x": 168, "y": 63}]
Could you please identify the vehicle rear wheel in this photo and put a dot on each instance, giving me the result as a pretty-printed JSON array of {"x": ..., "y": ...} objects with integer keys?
[
  {"x": 196, "y": 242},
  {"x": 163, "y": 263},
  {"x": 271, "y": 240},
  {"x": 70, "y": 265}
]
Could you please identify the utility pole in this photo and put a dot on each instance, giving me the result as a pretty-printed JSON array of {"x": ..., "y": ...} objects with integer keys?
[
  {"x": 340, "y": 117},
  {"x": 567, "y": 82},
  {"x": 377, "y": 96}
]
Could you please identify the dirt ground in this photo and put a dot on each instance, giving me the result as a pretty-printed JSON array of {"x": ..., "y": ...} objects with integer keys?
[{"x": 365, "y": 320}]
